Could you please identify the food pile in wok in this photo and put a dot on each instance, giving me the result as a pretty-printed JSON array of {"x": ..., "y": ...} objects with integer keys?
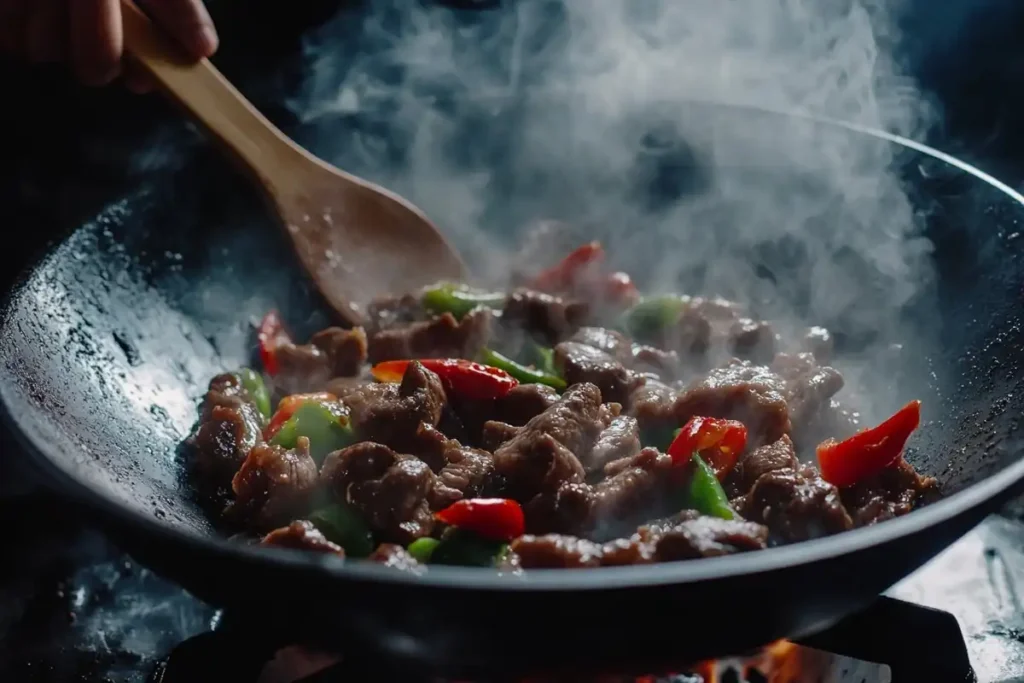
[{"x": 567, "y": 422}]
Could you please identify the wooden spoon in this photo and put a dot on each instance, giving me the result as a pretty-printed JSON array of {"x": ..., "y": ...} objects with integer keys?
[{"x": 355, "y": 239}]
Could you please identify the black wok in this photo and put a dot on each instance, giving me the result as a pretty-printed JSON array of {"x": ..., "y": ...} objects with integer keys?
[{"x": 108, "y": 341}]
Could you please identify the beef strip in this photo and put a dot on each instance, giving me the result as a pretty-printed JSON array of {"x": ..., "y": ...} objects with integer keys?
[
  {"x": 579, "y": 363},
  {"x": 387, "y": 312},
  {"x": 541, "y": 457},
  {"x": 689, "y": 539},
  {"x": 396, "y": 494},
  {"x": 615, "y": 344},
  {"x": 302, "y": 535},
  {"x": 391, "y": 414},
  {"x": 740, "y": 391},
  {"x": 653, "y": 405},
  {"x": 754, "y": 463},
  {"x": 440, "y": 337},
  {"x": 620, "y": 439},
  {"x": 496, "y": 433},
  {"x": 396, "y": 557},
  {"x": 459, "y": 468},
  {"x": 818, "y": 341},
  {"x": 806, "y": 386},
  {"x": 795, "y": 504},
  {"x": 548, "y": 317},
  {"x": 229, "y": 426},
  {"x": 648, "y": 359},
  {"x": 332, "y": 352},
  {"x": 274, "y": 485},
  {"x": 516, "y": 408},
  {"x": 752, "y": 339},
  {"x": 894, "y": 491}
]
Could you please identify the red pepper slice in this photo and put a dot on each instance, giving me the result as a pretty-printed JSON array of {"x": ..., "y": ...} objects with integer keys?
[
  {"x": 271, "y": 334},
  {"x": 464, "y": 377},
  {"x": 564, "y": 274},
  {"x": 499, "y": 519},
  {"x": 869, "y": 451},
  {"x": 620, "y": 289},
  {"x": 287, "y": 407},
  {"x": 718, "y": 442}
]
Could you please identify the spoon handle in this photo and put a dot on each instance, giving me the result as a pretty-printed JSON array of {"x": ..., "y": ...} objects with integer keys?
[{"x": 210, "y": 98}]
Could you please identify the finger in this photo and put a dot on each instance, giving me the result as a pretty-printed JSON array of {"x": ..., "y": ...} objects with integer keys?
[
  {"x": 47, "y": 31},
  {"x": 136, "y": 78},
  {"x": 14, "y": 16},
  {"x": 96, "y": 40},
  {"x": 188, "y": 22}
]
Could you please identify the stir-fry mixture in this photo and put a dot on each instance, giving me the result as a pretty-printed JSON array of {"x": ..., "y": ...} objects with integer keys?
[{"x": 567, "y": 422}]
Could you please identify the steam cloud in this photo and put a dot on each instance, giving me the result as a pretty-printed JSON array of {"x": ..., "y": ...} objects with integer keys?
[{"x": 575, "y": 110}]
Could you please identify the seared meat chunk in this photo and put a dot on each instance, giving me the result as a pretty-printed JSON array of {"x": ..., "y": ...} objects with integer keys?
[
  {"x": 620, "y": 439},
  {"x": 653, "y": 405},
  {"x": 579, "y": 363},
  {"x": 752, "y": 339},
  {"x": 524, "y": 403},
  {"x": 541, "y": 456},
  {"x": 555, "y": 551},
  {"x": 391, "y": 414},
  {"x": 460, "y": 469},
  {"x": 894, "y": 491},
  {"x": 441, "y": 337},
  {"x": 818, "y": 341},
  {"x": 615, "y": 344},
  {"x": 795, "y": 504},
  {"x": 548, "y": 317},
  {"x": 274, "y": 485},
  {"x": 302, "y": 535},
  {"x": 496, "y": 433},
  {"x": 394, "y": 493},
  {"x": 229, "y": 426},
  {"x": 742, "y": 391},
  {"x": 387, "y": 312},
  {"x": 806, "y": 386},
  {"x": 704, "y": 537},
  {"x": 648, "y": 359},
  {"x": 333, "y": 352},
  {"x": 396, "y": 557},
  {"x": 753, "y": 463}
]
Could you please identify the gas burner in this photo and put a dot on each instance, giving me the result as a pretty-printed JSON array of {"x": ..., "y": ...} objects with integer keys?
[{"x": 884, "y": 642}]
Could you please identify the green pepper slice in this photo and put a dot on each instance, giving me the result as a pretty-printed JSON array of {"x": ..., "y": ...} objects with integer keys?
[
  {"x": 652, "y": 316},
  {"x": 458, "y": 300},
  {"x": 423, "y": 548},
  {"x": 704, "y": 494},
  {"x": 522, "y": 373},
  {"x": 253, "y": 384},
  {"x": 342, "y": 525},
  {"x": 326, "y": 429},
  {"x": 466, "y": 549}
]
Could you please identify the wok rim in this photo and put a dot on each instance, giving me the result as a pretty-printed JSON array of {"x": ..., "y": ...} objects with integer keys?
[{"x": 17, "y": 417}]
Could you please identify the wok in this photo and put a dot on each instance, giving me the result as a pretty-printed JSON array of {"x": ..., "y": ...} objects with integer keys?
[{"x": 108, "y": 341}]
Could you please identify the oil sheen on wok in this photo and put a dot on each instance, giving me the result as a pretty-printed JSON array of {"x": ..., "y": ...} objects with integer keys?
[{"x": 565, "y": 422}]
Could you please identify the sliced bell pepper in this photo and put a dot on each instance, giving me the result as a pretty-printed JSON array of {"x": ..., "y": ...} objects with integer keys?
[
  {"x": 704, "y": 493},
  {"x": 497, "y": 519},
  {"x": 463, "y": 377},
  {"x": 271, "y": 334},
  {"x": 719, "y": 442},
  {"x": 544, "y": 358},
  {"x": 522, "y": 373},
  {"x": 458, "y": 300},
  {"x": 318, "y": 417},
  {"x": 342, "y": 525},
  {"x": 620, "y": 289},
  {"x": 257, "y": 390},
  {"x": 466, "y": 549},
  {"x": 423, "y": 548},
  {"x": 564, "y": 274},
  {"x": 652, "y": 316},
  {"x": 870, "y": 451}
]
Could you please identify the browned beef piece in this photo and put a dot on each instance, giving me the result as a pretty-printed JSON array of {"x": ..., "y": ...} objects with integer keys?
[
  {"x": 648, "y": 359},
  {"x": 391, "y": 413},
  {"x": 653, "y": 405},
  {"x": 615, "y": 344},
  {"x": 818, "y": 341},
  {"x": 541, "y": 457},
  {"x": 440, "y": 337},
  {"x": 524, "y": 403},
  {"x": 548, "y": 317},
  {"x": 579, "y": 363},
  {"x": 742, "y": 391},
  {"x": 753, "y": 463},
  {"x": 752, "y": 339},
  {"x": 332, "y": 352},
  {"x": 274, "y": 485},
  {"x": 895, "y": 491},
  {"x": 396, "y": 557},
  {"x": 795, "y": 504},
  {"x": 496, "y": 433},
  {"x": 387, "y": 312},
  {"x": 229, "y": 426},
  {"x": 806, "y": 386},
  {"x": 555, "y": 551},
  {"x": 395, "y": 493},
  {"x": 459, "y": 468},
  {"x": 620, "y": 439},
  {"x": 704, "y": 537},
  {"x": 302, "y": 535},
  {"x": 833, "y": 421}
]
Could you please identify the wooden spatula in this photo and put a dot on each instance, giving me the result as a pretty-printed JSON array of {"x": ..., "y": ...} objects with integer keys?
[{"x": 356, "y": 239}]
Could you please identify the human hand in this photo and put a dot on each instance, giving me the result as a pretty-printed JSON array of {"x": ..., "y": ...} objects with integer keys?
[{"x": 87, "y": 33}]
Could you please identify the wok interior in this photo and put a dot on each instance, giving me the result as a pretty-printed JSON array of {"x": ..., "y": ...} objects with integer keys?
[{"x": 110, "y": 342}]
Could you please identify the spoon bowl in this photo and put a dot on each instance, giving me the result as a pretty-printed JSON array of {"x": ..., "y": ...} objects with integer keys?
[{"x": 355, "y": 239}]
